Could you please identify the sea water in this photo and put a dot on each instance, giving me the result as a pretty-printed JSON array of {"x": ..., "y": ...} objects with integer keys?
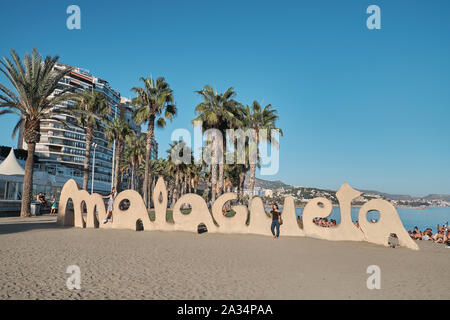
[{"x": 428, "y": 217}]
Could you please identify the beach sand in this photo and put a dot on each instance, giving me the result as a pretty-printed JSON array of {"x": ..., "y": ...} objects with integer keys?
[{"x": 122, "y": 264}]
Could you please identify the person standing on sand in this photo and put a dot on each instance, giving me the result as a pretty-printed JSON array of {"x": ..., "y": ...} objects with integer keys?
[
  {"x": 54, "y": 206},
  {"x": 275, "y": 214},
  {"x": 111, "y": 198}
]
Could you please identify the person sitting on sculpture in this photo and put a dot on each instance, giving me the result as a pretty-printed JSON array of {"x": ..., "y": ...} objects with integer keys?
[
  {"x": 275, "y": 214},
  {"x": 111, "y": 198}
]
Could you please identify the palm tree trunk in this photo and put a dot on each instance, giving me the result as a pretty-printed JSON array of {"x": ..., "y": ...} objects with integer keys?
[
  {"x": 87, "y": 156},
  {"x": 150, "y": 135},
  {"x": 28, "y": 182},
  {"x": 179, "y": 184},
  {"x": 116, "y": 164},
  {"x": 241, "y": 185},
  {"x": 221, "y": 182},
  {"x": 213, "y": 182},
  {"x": 133, "y": 177},
  {"x": 221, "y": 185},
  {"x": 149, "y": 191},
  {"x": 252, "y": 181},
  {"x": 170, "y": 194},
  {"x": 185, "y": 183},
  {"x": 253, "y": 170},
  {"x": 175, "y": 189},
  {"x": 213, "y": 169}
]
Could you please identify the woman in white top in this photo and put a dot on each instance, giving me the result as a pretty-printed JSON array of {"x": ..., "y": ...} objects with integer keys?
[{"x": 111, "y": 197}]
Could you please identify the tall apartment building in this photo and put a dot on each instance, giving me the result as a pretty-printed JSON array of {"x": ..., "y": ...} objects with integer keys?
[
  {"x": 61, "y": 150},
  {"x": 126, "y": 113}
]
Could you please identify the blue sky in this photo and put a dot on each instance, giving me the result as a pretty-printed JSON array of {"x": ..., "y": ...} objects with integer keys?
[{"x": 367, "y": 107}]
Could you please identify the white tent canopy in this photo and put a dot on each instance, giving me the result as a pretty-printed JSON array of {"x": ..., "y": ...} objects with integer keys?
[{"x": 10, "y": 166}]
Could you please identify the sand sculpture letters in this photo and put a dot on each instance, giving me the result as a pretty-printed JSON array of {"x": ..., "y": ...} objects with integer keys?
[{"x": 255, "y": 221}]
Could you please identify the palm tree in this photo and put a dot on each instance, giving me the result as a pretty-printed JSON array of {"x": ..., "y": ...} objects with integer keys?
[
  {"x": 258, "y": 118},
  {"x": 133, "y": 156},
  {"x": 194, "y": 173},
  {"x": 242, "y": 169},
  {"x": 217, "y": 111},
  {"x": 236, "y": 172},
  {"x": 34, "y": 82},
  {"x": 154, "y": 103},
  {"x": 153, "y": 170},
  {"x": 178, "y": 169},
  {"x": 89, "y": 110},
  {"x": 160, "y": 168},
  {"x": 157, "y": 168},
  {"x": 116, "y": 131},
  {"x": 231, "y": 177},
  {"x": 173, "y": 170}
]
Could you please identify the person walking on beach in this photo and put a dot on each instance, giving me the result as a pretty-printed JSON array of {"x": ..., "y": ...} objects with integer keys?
[
  {"x": 275, "y": 214},
  {"x": 111, "y": 198}
]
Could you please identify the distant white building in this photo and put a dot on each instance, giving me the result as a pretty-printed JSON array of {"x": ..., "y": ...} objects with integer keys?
[
  {"x": 257, "y": 192},
  {"x": 268, "y": 193}
]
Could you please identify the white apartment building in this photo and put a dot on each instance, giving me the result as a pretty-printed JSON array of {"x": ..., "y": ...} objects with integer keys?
[{"x": 61, "y": 150}]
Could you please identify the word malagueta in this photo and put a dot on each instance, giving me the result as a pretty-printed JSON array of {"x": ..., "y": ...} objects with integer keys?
[{"x": 247, "y": 220}]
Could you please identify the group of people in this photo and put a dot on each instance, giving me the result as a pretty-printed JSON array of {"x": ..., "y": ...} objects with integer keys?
[
  {"x": 324, "y": 222},
  {"x": 441, "y": 236},
  {"x": 40, "y": 198}
]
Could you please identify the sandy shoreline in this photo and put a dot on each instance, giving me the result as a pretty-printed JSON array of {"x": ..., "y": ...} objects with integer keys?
[{"x": 122, "y": 264}]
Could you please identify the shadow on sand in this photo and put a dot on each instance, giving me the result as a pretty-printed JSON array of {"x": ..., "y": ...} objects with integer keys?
[{"x": 28, "y": 224}]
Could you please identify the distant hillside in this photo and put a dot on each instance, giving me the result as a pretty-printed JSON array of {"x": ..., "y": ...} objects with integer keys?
[
  {"x": 273, "y": 185},
  {"x": 403, "y": 197},
  {"x": 309, "y": 192},
  {"x": 399, "y": 197},
  {"x": 267, "y": 184},
  {"x": 442, "y": 197}
]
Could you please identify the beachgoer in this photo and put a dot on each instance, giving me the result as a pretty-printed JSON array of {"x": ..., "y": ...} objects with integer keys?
[
  {"x": 439, "y": 236},
  {"x": 41, "y": 199},
  {"x": 393, "y": 240},
  {"x": 276, "y": 219},
  {"x": 417, "y": 235},
  {"x": 54, "y": 206},
  {"x": 111, "y": 198}
]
